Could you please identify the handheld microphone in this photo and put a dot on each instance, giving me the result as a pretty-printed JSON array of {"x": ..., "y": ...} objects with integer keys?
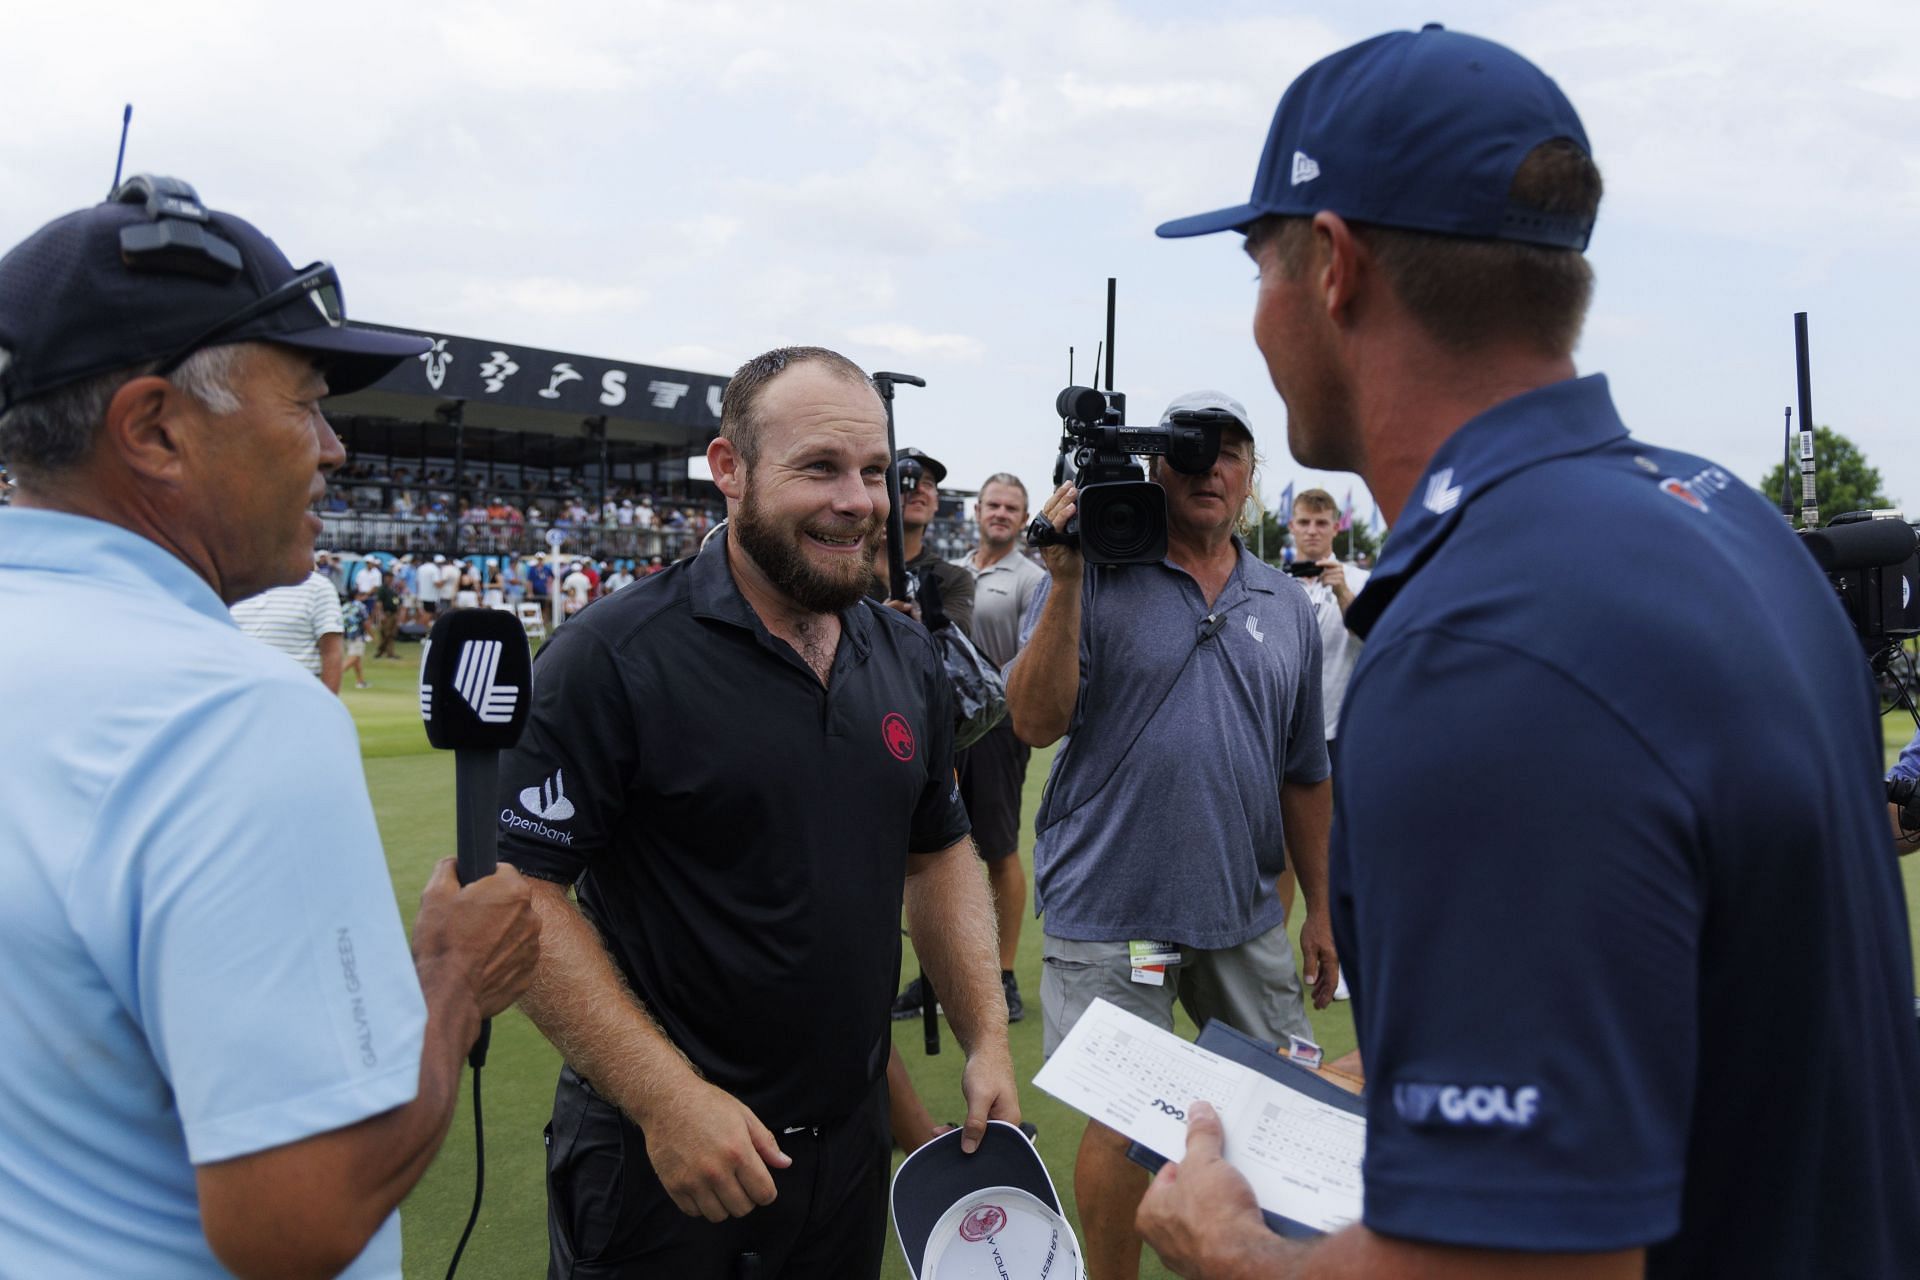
[{"x": 476, "y": 690}]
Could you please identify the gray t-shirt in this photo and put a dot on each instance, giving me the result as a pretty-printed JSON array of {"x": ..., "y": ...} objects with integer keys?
[
  {"x": 1161, "y": 817},
  {"x": 1003, "y": 595}
]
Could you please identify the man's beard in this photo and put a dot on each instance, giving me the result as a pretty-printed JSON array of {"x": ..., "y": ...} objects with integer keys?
[{"x": 776, "y": 549}]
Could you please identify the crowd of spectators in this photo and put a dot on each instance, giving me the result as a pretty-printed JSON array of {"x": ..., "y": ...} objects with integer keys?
[{"x": 411, "y": 511}]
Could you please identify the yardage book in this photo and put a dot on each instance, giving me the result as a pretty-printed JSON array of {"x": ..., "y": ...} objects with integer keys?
[{"x": 1296, "y": 1137}]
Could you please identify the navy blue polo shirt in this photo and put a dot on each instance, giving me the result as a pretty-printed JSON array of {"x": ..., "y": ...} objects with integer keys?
[
  {"x": 739, "y": 833},
  {"x": 1612, "y": 878}
]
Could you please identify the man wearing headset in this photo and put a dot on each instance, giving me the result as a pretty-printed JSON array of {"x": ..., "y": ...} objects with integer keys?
[{"x": 218, "y": 1055}]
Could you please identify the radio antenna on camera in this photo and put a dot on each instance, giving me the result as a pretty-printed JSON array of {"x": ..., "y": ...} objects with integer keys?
[
  {"x": 1112, "y": 285},
  {"x": 1809, "y": 508},
  {"x": 126, "y": 121},
  {"x": 1786, "y": 471}
]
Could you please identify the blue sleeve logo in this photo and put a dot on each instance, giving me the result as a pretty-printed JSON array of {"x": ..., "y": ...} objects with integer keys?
[{"x": 1476, "y": 1106}]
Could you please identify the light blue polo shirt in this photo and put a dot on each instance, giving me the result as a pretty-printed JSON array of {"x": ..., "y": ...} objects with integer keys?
[
  {"x": 203, "y": 956},
  {"x": 1161, "y": 817}
]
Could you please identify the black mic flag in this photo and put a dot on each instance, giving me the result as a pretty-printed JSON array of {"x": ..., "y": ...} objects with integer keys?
[{"x": 476, "y": 688}]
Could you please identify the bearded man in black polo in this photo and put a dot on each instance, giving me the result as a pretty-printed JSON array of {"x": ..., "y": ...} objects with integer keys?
[{"x": 742, "y": 764}]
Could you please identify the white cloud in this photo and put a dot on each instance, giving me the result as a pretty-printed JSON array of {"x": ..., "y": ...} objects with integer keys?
[{"x": 904, "y": 339}]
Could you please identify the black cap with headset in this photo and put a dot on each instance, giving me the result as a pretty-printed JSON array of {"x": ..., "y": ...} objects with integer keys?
[{"x": 152, "y": 275}]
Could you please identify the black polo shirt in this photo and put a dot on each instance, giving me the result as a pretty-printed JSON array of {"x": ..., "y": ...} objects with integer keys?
[{"x": 739, "y": 832}]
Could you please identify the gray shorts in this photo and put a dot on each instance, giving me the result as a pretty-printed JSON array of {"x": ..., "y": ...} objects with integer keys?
[{"x": 1253, "y": 987}]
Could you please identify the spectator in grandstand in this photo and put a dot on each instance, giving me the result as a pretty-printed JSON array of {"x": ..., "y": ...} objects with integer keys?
[
  {"x": 220, "y": 1057},
  {"x": 494, "y": 594},
  {"x": 301, "y": 621}
]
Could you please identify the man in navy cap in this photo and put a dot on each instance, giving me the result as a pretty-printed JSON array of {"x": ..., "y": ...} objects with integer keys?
[
  {"x": 1629, "y": 954},
  {"x": 220, "y": 1056}
]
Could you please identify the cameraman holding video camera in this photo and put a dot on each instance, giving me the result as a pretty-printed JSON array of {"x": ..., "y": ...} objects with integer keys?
[
  {"x": 1630, "y": 965},
  {"x": 1191, "y": 691}
]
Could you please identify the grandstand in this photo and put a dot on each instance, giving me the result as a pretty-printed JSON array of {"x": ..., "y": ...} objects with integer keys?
[{"x": 481, "y": 448}]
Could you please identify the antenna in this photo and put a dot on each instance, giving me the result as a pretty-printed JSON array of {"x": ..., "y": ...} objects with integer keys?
[
  {"x": 1112, "y": 284},
  {"x": 126, "y": 122},
  {"x": 1097, "y": 349},
  {"x": 1809, "y": 509},
  {"x": 1786, "y": 471},
  {"x": 1069, "y": 364}
]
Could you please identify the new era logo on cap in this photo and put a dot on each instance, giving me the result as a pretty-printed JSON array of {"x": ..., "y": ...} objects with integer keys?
[{"x": 1305, "y": 168}]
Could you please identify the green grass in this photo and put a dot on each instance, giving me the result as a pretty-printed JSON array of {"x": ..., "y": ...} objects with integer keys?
[{"x": 412, "y": 788}]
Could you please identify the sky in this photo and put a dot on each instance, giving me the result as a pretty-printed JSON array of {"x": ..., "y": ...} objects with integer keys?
[{"x": 943, "y": 189}]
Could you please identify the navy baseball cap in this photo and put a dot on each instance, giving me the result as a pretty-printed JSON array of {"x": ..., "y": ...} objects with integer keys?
[
  {"x": 152, "y": 275},
  {"x": 1421, "y": 130}
]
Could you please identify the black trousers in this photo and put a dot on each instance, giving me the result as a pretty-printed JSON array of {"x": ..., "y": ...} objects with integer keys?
[{"x": 608, "y": 1216}]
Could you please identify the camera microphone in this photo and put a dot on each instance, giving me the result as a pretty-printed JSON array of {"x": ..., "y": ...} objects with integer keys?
[{"x": 1862, "y": 544}]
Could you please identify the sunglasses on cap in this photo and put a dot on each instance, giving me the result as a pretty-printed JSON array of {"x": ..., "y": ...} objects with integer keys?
[{"x": 317, "y": 284}]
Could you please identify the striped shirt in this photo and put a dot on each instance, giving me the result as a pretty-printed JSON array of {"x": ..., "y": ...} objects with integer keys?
[{"x": 292, "y": 619}]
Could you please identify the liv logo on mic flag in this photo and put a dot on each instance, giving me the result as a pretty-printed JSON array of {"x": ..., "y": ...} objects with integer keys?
[
  {"x": 476, "y": 679},
  {"x": 475, "y": 676}
]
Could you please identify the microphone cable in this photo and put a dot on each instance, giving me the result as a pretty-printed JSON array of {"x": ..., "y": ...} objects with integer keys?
[{"x": 479, "y": 1177}]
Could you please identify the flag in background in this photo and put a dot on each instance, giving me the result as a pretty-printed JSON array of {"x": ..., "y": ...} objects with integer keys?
[
  {"x": 1285, "y": 510},
  {"x": 1346, "y": 515}
]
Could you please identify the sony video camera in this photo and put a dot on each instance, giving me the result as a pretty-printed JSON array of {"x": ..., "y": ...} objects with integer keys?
[{"x": 1122, "y": 516}]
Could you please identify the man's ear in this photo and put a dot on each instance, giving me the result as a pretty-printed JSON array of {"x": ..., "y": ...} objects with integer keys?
[
  {"x": 146, "y": 427},
  {"x": 728, "y": 467},
  {"x": 1340, "y": 263}
]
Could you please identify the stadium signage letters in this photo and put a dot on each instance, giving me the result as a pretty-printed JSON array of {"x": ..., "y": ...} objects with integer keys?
[{"x": 483, "y": 372}]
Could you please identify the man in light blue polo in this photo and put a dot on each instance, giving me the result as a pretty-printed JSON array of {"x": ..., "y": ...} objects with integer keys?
[
  {"x": 1194, "y": 773},
  {"x": 220, "y": 1055}
]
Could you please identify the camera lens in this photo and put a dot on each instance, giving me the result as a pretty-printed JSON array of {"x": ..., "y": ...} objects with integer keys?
[{"x": 1122, "y": 522}]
